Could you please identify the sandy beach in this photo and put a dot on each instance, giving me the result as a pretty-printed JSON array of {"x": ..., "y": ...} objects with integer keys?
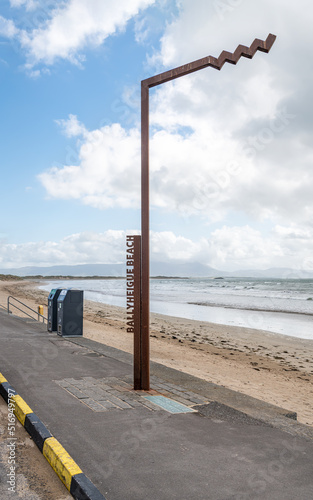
[{"x": 272, "y": 367}]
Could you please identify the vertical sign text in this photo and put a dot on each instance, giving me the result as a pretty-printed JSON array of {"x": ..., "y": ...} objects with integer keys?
[{"x": 133, "y": 301}]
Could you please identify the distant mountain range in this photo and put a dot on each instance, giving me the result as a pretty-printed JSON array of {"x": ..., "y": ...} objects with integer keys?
[{"x": 194, "y": 269}]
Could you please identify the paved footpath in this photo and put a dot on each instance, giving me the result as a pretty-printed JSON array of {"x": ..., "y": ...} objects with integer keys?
[{"x": 185, "y": 439}]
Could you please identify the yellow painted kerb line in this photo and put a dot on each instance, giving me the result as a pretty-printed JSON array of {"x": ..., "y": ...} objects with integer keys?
[
  {"x": 21, "y": 408},
  {"x": 60, "y": 461}
]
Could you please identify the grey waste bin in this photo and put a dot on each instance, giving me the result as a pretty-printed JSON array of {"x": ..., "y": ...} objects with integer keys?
[
  {"x": 53, "y": 309},
  {"x": 70, "y": 313}
]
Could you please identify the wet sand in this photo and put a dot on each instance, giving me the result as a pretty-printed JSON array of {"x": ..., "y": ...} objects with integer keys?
[{"x": 272, "y": 367}]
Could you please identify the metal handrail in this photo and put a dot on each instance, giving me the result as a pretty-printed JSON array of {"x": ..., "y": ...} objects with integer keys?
[
  {"x": 24, "y": 312},
  {"x": 2, "y": 307}
]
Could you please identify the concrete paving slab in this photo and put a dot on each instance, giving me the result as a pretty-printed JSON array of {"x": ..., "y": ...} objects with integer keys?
[{"x": 139, "y": 453}]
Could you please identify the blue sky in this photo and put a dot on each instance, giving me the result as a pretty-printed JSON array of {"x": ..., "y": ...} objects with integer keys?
[{"x": 231, "y": 151}]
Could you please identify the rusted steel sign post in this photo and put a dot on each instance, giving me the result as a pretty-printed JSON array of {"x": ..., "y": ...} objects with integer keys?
[
  {"x": 133, "y": 301},
  {"x": 229, "y": 57}
]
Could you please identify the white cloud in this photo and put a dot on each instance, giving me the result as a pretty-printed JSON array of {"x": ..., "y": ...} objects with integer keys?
[
  {"x": 166, "y": 246},
  {"x": 80, "y": 248},
  {"x": 228, "y": 248},
  {"x": 76, "y": 25},
  {"x": 201, "y": 31},
  {"x": 216, "y": 137},
  {"x": 246, "y": 248},
  {"x": 202, "y": 171},
  {"x": 7, "y": 28},
  {"x": 188, "y": 174},
  {"x": 72, "y": 127},
  {"x": 29, "y": 4},
  {"x": 107, "y": 174}
]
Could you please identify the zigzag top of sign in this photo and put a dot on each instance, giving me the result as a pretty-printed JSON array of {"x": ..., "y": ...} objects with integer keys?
[{"x": 216, "y": 63}]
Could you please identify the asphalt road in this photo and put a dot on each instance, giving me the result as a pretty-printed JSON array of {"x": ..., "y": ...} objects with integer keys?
[{"x": 131, "y": 451}]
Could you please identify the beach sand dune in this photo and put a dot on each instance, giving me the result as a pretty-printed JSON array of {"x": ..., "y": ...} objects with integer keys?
[{"x": 272, "y": 367}]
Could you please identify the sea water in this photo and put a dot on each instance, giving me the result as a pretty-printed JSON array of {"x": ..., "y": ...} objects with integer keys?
[{"x": 276, "y": 305}]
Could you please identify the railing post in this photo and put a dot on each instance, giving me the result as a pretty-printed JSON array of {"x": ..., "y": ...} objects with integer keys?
[
  {"x": 27, "y": 307},
  {"x": 40, "y": 313}
]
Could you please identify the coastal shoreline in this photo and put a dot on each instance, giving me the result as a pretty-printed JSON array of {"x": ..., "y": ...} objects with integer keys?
[
  {"x": 273, "y": 367},
  {"x": 290, "y": 317}
]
